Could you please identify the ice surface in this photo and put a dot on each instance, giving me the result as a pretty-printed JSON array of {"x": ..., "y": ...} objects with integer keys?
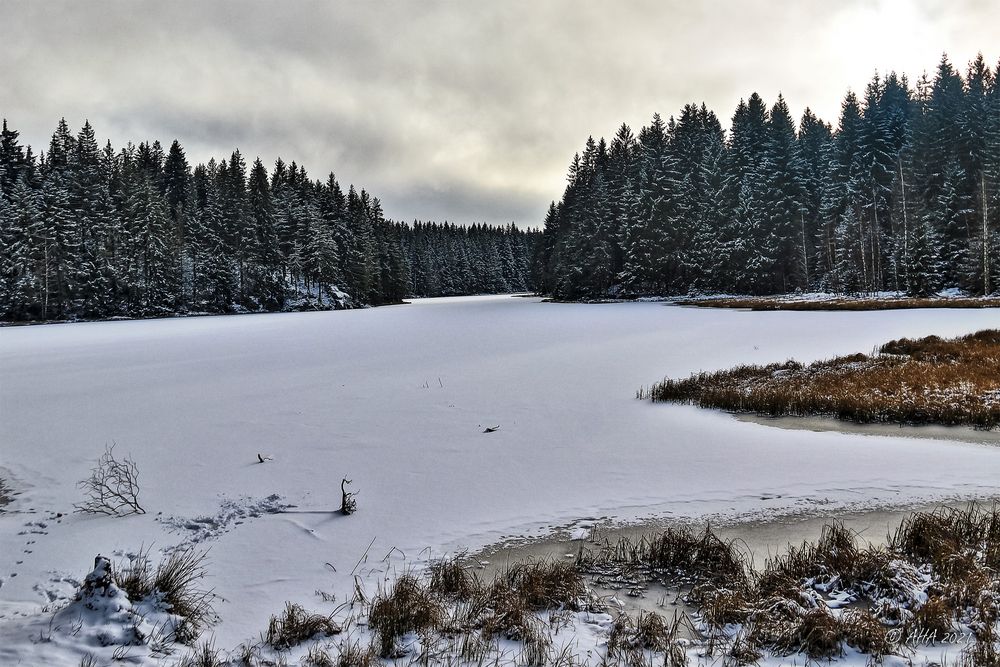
[{"x": 396, "y": 399}]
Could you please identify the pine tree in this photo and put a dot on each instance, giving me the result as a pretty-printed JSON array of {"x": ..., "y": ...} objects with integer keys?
[
  {"x": 13, "y": 163},
  {"x": 264, "y": 265}
]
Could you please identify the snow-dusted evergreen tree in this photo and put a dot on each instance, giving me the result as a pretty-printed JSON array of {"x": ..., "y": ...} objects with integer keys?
[
  {"x": 815, "y": 149},
  {"x": 783, "y": 201},
  {"x": 778, "y": 208},
  {"x": 744, "y": 196},
  {"x": 642, "y": 235},
  {"x": 924, "y": 265},
  {"x": 267, "y": 285},
  {"x": 978, "y": 122}
]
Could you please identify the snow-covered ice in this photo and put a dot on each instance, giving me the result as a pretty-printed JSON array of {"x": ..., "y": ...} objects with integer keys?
[{"x": 397, "y": 399}]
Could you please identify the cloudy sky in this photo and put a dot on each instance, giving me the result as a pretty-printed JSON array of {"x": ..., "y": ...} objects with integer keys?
[{"x": 462, "y": 111}]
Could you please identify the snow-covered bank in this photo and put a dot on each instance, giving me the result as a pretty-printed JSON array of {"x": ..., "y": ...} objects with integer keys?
[{"x": 396, "y": 398}]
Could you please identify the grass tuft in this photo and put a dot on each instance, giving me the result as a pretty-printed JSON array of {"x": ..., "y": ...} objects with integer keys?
[
  {"x": 175, "y": 581},
  {"x": 865, "y": 632},
  {"x": 451, "y": 580},
  {"x": 295, "y": 625},
  {"x": 409, "y": 607},
  {"x": 351, "y": 654},
  {"x": 817, "y": 634},
  {"x": 205, "y": 655}
]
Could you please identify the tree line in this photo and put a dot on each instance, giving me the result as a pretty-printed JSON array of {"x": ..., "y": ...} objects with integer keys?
[
  {"x": 91, "y": 232},
  {"x": 901, "y": 196}
]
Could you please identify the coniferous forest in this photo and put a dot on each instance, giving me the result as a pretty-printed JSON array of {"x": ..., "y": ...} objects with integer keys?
[
  {"x": 91, "y": 232},
  {"x": 903, "y": 195}
]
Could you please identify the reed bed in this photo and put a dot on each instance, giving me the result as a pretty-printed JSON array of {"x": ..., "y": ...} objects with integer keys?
[
  {"x": 843, "y": 303},
  {"x": 908, "y": 381},
  {"x": 937, "y": 577}
]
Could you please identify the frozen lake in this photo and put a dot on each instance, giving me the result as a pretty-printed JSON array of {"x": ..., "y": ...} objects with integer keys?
[{"x": 396, "y": 398}]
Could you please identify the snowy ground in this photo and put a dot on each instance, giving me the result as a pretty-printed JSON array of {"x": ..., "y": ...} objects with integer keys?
[{"x": 396, "y": 398}]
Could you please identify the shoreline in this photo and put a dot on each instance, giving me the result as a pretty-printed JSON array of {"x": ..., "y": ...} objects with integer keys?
[
  {"x": 759, "y": 539},
  {"x": 826, "y": 424}
]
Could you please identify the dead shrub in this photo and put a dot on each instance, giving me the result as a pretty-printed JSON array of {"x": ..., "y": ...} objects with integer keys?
[
  {"x": 654, "y": 633},
  {"x": 475, "y": 647},
  {"x": 743, "y": 650},
  {"x": 537, "y": 644},
  {"x": 112, "y": 488},
  {"x": 937, "y": 537},
  {"x": 295, "y": 625}
]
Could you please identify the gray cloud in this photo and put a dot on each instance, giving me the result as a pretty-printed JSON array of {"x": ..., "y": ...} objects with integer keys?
[{"x": 457, "y": 110}]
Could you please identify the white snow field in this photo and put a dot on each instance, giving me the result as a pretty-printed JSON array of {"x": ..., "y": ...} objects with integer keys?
[{"x": 397, "y": 398}]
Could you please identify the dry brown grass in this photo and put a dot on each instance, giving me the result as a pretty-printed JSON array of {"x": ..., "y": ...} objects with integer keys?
[
  {"x": 937, "y": 575},
  {"x": 352, "y": 654},
  {"x": 295, "y": 625},
  {"x": 450, "y": 579},
  {"x": 866, "y": 633},
  {"x": 929, "y": 380},
  {"x": 630, "y": 638},
  {"x": 454, "y": 602},
  {"x": 205, "y": 655},
  {"x": 844, "y": 303},
  {"x": 680, "y": 554},
  {"x": 177, "y": 581},
  {"x": 409, "y": 607},
  {"x": 817, "y": 634}
]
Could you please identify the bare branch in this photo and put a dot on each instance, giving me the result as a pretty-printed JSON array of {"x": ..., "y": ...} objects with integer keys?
[{"x": 112, "y": 488}]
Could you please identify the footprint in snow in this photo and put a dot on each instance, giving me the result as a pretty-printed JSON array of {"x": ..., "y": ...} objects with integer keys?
[{"x": 231, "y": 513}]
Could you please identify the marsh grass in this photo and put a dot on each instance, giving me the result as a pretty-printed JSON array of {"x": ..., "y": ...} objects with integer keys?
[
  {"x": 680, "y": 554},
  {"x": 630, "y": 640},
  {"x": 176, "y": 581},
  {"x": 454, "y": 601},
  {"x": 817, "y": 634},
  {"x": 296, "y": 625},
  {"x": 351, "y": 653},
  {"x": 866, "y": 633},
  {"x": 936, "y": 575},
  {"x": 923, "y": 381},
  {"x": 409, "y": 607},
  {"x": 205, "y": 655},
  {"x": 450, "y": 579},
  {"x": 855, "y": 304}
]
